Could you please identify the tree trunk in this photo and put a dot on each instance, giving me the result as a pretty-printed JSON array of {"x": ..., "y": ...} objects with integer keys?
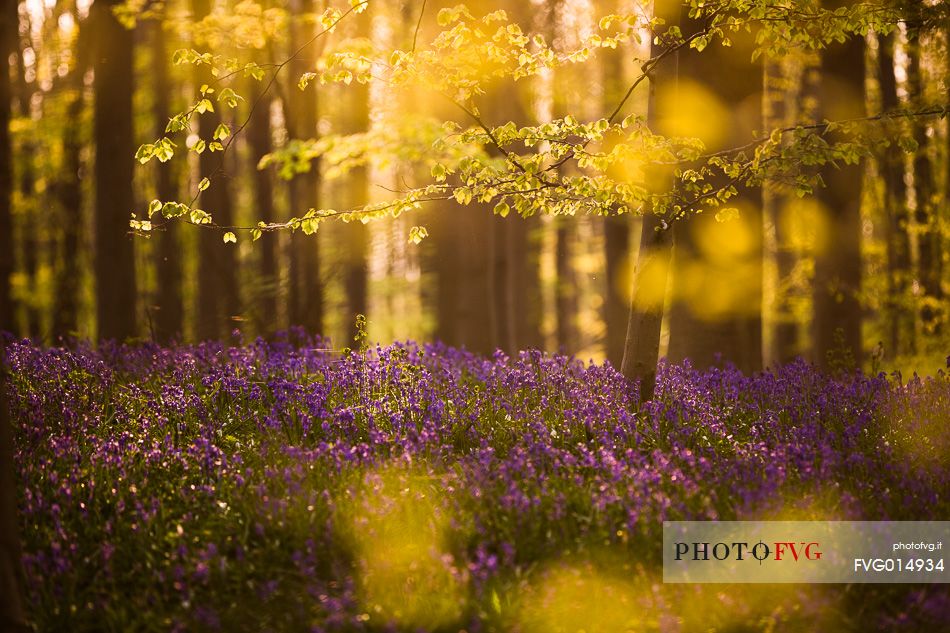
[
  {"x": 306, "y": 287},
  {"x": 565, "y": 229},
  {"x": 641, "y": 348},
  {"x": 356, "y": 234},
  {"x": 115, "y": 265},
  {"x": 517, "y": 287},
  {"x": 218, "y": 301},
  {"x": 464, "y": 273},
  {"x": 565, "y": 290},
  {"x": 259, "y": 139},
  {"x": 169, "y": 305},
  {"x": 717, "y": 268},
  {"x": 779, "y": 110},
  {"x": 472, "y": 255},
  {"x": 616, "y": 228},
  {"x": 8, "y": 31},
  {"x": 642, "y": 345},
  {"x": 11, "y": 608},
  {"x": 837, "y": 311},
  {"x": 899, "y": 321},
  {"x": 29, "y": 235},
  {"x": 524, "y": 286},
  {"x": 616, "y": 300},
  {"x": 515, "y": 282},
  {"x": 925, "y": 216},
  {"x": 69, "y": 192}
]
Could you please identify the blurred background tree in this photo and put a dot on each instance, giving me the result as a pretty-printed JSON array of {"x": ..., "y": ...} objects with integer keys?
[{"x": 861, "y": 262}]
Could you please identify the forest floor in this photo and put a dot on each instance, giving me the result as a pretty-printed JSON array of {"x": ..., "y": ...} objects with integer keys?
[{"x": 273, "y": 486}]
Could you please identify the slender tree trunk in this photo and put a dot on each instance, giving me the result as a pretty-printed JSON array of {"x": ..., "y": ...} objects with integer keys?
[
  {"x": 565, "y": 230},
  {"x": 717, "y": 308},
  {"x": 11, "y": 607},
  {"x": 642, "y": 344},
  {"x": 447, "y": 267},
  {"x": 515, "y": 288},
  {"x": 356, "y": 234},
  {"x": 115, "y": 265},
  {"x": 69, "y": 190},
  {"x": 565, "y": 291},
  {"x": 641, "y": 348},
  {"x": 464, "y": 273},
  {"x": 616, "y": 228},
  {"x": 29, "y": 235},
  {"x": 837, "y": 310},
  {"x": 466, "y": 266},
  {"x": 259, "y": 139},
  {"x": 900, "y": 328},
  {"x": 925, "y": 216},
  {"x": 779, "y": 100},
  {"x": 524, "y": 304},
  {"x": 306, "y": 290},
  {"x": 616, "y": 301},
  {"x": 169, "y": 305},
  {"x": 218, "y": 299},
  {"x": 8, "y": 30}
]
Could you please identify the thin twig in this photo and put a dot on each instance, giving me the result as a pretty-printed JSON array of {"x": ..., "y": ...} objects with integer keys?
[{"x": 415, "y": 35}]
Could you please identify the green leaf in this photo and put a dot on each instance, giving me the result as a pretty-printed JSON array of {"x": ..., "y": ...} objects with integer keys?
[
  {"x": 502, "y": 209},
  {"x": 177, "y": 123},
  {"x": 199, "y": 146},
  {"x": 144, "y": 153},
  {"x": 309, "y": 226},
  {"x": 229, "y": 97},
  {"x": 305, "y": 80},
  {"x": 221, "y": 132},
  {"x": 417, "y": 234},
  {"x": 727, "y": 214},
  {"x": 255, "y": 234},
  {"x": 462, "y": 195},
  {"x": 173, "y": 209},
  {"x": 230, "y": 237},
  {"x": 165, "y": 150},
  {"x": 204, "y": 184},
  {"x": 154, "y": 207},
  {"x": 204, "y": 106},
  {"x": 198, "y": 216}
]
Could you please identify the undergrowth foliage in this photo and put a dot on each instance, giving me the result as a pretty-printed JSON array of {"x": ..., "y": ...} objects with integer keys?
[{"x": 275, "y": 485}]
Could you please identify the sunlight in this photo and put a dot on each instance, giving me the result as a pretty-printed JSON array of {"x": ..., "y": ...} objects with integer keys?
[
  {"x": 694, "y": 111},
  {"x": 567, "y": 598},
  {"x": 398, "y": 525}
]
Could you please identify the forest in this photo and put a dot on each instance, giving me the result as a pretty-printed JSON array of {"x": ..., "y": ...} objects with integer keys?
[{"x": 385, "y": 315}]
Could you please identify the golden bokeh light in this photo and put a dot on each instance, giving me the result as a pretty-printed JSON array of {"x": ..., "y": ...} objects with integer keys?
[
  {"x": 693, "y": 110},
  {"x": 398, "y": 523}
]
